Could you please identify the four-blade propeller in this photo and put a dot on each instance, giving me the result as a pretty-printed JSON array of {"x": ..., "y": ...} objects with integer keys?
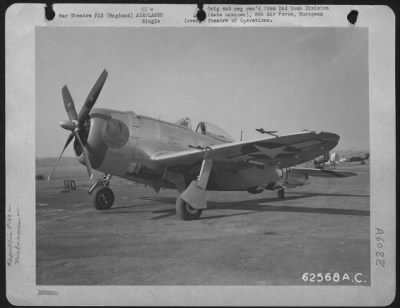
[{"x": 77, "y": 121}]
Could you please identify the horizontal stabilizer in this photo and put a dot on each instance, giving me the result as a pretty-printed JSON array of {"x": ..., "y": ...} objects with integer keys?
[{"x": 326, "y": 173}]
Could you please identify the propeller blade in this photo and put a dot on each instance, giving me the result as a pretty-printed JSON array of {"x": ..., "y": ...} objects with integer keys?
[
  {"x": 85, "y": 154},
  {"x": 69, "y": 104},
  {"x": 59, "y": 157},
  {"x": 92, "y": 97}
]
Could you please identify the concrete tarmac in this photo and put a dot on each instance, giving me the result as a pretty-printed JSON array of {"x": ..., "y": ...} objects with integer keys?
[{"x": 242, "y": 239}]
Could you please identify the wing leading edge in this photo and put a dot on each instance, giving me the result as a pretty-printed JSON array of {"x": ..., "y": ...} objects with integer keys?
[{"x": 283, "y": 152}]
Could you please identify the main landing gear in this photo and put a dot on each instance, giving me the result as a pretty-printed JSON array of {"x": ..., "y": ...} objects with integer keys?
[
  {"x": 102, "y": 196},
  {"x": 192, "y": 201},
  {"x": 185, "y": 211}
]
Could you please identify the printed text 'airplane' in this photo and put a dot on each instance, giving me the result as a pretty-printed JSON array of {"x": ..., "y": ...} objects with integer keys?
[{"x": 172, "y": 155}]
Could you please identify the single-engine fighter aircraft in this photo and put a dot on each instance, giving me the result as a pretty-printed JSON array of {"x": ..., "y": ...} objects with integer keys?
[
  {"x": 327, "y": 160},
  {"x": 173, "y": 155},
  {"x": 358, "y": 157},
  {"x": 320, "y": 161}
]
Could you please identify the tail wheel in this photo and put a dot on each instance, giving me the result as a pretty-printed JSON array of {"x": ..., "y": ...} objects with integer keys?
[
  {"x": 185, "y": 211},
  {"x": 102, "y": 198},
  {"x": 281, "y": 193}
]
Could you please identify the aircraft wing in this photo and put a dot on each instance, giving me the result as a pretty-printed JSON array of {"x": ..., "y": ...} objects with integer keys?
[
  {"x": 325, "y": 173},
  {"x": 283, "y": 151}
]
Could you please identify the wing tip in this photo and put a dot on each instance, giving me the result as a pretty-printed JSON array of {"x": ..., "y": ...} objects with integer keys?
[{"x": 329, "y": 136}]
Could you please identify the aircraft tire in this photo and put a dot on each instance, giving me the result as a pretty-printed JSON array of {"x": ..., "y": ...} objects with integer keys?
[
  {"x": 185, "y": 211},
  {"x": 255, "y": 190},
  {"x": 102, "y": 198},
  {"x": 281, "y": 193}
]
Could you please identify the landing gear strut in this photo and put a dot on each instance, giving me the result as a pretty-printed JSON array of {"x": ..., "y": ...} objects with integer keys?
[{"x": 102, "y": 196}]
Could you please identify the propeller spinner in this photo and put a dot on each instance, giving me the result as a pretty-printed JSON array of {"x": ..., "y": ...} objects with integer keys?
[{"x": 77, "y": 121}]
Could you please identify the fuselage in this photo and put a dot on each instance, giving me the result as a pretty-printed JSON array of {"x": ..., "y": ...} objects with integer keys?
[
  {"x": 360, "y": 157},
  {"x": 123, "y": 143}
]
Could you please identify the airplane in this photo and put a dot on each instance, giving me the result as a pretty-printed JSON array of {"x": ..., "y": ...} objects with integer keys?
[
  {"x": 327, "y": 160},
  {"x": 334, "y": 159},
  {"x": 173, "y": 155},
  {"x": 321, "y": 160},
  {"x": 359, "y": 157}
]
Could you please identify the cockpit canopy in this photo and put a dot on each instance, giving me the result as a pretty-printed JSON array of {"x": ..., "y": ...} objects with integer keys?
[
  {"x": 185, "y": 122},
  {"x": 208, "y": 129}
]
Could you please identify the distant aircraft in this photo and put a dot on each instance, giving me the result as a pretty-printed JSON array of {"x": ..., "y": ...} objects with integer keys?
[
  {"x": 327, "y": 160},
  {"x": 358, "y": 157},
  {"x": 321, "y": 160},
  {"x": 173, "y": 155},
  {"x": 334, "y": 159}
]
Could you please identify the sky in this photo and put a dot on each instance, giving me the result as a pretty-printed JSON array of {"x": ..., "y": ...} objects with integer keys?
[{"x": 284, "y": 79}]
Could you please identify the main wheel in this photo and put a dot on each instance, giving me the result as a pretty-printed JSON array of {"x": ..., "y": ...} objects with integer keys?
[
  {"x": 102, "y": 198},
  {"x": 185, "y": 211},
  {"x": 281, "y": 193}
]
